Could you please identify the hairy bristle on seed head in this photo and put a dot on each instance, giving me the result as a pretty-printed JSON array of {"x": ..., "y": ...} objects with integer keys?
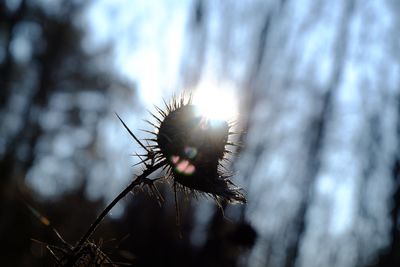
[{"x": 193, "y": 148}]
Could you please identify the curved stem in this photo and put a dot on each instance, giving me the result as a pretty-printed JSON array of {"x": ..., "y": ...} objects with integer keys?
[
  {"x": 95, "y": 224},
  {"x": 139, "y": 180}
]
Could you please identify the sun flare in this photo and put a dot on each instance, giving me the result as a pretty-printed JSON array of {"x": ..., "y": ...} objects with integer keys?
[{"x": 215, "y": 102}]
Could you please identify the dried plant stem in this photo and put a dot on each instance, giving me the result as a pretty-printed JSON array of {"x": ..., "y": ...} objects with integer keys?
[{"x": 142, "y": 178}]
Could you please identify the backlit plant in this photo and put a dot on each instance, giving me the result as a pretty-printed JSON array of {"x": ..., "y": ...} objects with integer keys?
[{"x": 190, "y": 148}]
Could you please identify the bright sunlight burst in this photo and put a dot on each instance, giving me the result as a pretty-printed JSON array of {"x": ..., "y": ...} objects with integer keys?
[{"x": 216, "y": 102}]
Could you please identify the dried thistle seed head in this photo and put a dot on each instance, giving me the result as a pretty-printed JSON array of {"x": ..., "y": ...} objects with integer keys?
[
  {"x": 193, "y": 147},
  {"x": 183, "y": 133}
]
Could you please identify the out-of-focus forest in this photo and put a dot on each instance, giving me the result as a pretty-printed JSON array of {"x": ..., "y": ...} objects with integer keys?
[{"x": 318, "y": 87}]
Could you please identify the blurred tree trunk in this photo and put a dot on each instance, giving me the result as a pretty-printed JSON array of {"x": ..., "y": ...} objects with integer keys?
[
  {"x": 319, "y": 82},
  {"x": 41, "y": 57}
]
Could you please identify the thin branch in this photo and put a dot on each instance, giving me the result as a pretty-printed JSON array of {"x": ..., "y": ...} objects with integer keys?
[{"x": 139, "y": 180}]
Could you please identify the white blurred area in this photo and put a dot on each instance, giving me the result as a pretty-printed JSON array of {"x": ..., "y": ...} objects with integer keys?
[{"x": 147, "y": 39}]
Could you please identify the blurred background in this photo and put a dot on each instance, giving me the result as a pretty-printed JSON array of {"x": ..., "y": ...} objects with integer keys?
[{"x": 316, "y": 86}]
